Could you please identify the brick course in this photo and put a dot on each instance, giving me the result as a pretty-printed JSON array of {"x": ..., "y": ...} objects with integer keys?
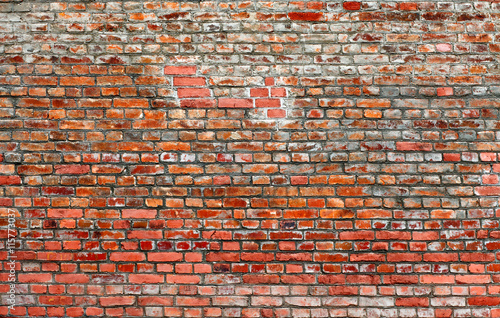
[{"x": 251, "y": 159}]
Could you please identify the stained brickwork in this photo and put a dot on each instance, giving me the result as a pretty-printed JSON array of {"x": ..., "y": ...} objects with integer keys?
[{"x": 250, "y": 158}]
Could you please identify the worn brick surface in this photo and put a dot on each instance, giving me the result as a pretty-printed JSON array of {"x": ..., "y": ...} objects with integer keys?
[{"x": 251, "y": 158}]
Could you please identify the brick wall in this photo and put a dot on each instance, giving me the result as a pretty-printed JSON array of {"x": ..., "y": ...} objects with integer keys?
[{"x": 250, "y": 158}]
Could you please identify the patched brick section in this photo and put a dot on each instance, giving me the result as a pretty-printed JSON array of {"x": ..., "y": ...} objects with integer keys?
[
  {"x": 252, "y": 159},
  {"x": 195, "y": 92}
]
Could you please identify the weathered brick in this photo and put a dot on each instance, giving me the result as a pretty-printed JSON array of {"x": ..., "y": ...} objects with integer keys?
[
  {"x": 235, "y": 103},
  {"x": 180, "y": 70},
  {"x": 352, "y": 5},
  {"x": 298, "y": 159},
  {"x": 305, "y": 16}
]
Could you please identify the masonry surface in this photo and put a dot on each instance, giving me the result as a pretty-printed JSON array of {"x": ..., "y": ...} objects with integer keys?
[{"x": 250, "y": 158}]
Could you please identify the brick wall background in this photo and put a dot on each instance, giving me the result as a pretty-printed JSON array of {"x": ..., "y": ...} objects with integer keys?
[{"x": 251, "y": 158}]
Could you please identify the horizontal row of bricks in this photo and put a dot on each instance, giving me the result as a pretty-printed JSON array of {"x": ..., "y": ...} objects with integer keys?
[
  {"x": 76, "y": 9},
  {"x": 184, "y": 307},
  {"x": 346, "y": 299},
  {"x": 451, "y": 237},
  {"x": 109, "y": 81},
  {"x": 346, "y": 251},
  {"x": 410, "y": 105},
  {"x": 332, "y": 274}
]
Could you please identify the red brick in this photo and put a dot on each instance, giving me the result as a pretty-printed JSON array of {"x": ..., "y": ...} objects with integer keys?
[
  {"x": 71, "y": 169},
  {"x": 278, "y": 92},
  {"x": 55, "y": 300},
  {"x": 146, "y": 278},
  {"x": 34, "y": 169},
  {"x": 198, "y": 103},
  {"x": 189, "y": 81},
  {"x": 139, "y": 214},
  {"x": 77, "y": 81},
  {"x": 193, "y": 92},
  {"x": 487, "y": 191},
  {"x": 305, "y": 16},
  {"x": 400, "y": 279},
  {"x": 267, "y": 102},
  {"x": 10, "y": 180},
  {"x": 64, "y": 213},
  {"x": 484, "y": 301},
  {"x": 116, "y": 301},
  {"x": 114, "y": 80},
  {"x": 131, "y": 102},
  {"x": 259, "y": 92},
  {"x": 451, "y": 157},
  {"x": 235, "y": 103},
  {"x": 440, "y": 257},
  {"x": 412, "y": 302},
  {"x": 445, "y": 91},
  {"x": 192, "y": 301},
  {"x": 40, "y": 80},
  {"x": 437, "y": 279},
  {"x": 127, "y": 256},
  {"x": 413, "y": 146},
  {"x": 473, "y": 279},
  {"x": 165, "y": 257},
  {"x": 276, "y": 113},
  {"x": 155, "y": 301},
  {"x": 150, "y": 80},
  {"x": 352, "y": 5},
  {"x": 183, "y": 279},
  {"x": 72, "y": 278},
  {"x": 180, "y": 70},
  {"x": 35, "y": 278}
]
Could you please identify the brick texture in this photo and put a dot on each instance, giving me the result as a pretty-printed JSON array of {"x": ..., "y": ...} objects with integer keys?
[{"x": 251, "y": 158}]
